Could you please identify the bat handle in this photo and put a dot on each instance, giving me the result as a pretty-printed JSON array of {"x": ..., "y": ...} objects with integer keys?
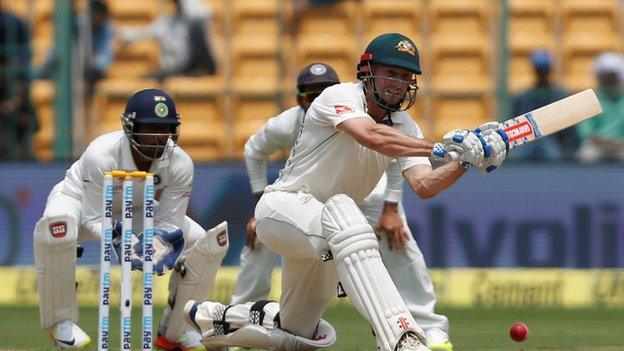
[
  {"x": 453, "y": 156},
  {"x": 440, "y": 154}
]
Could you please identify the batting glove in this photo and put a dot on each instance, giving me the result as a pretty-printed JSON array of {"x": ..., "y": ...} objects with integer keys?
[
  {"x": 462, "y": 145},
  {"x": 498, "y": 143}
]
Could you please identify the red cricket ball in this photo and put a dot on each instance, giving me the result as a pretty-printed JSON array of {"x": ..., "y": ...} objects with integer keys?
[{"x": 519, "y": 332}]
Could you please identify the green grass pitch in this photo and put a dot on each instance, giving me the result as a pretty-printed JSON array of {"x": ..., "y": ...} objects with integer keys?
[{"x": 471, "y": 329}]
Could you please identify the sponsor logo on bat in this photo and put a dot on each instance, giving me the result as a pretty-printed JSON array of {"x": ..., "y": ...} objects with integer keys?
[
  {"x": 519, "y": 131},
  {"x": 536, "y": 130}
]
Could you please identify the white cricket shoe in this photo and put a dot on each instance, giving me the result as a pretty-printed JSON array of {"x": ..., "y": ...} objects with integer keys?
[
  {"x": 437, "y": 340},
  {"x": 409, "y": 342},
  {"x": 68, "y": 335}
]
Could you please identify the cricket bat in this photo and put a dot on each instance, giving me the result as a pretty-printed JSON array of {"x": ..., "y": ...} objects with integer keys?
[{"x": 548, "y": 119}]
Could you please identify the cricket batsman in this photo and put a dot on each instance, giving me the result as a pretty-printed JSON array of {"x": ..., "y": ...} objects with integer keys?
[
  {"x": 351, "y": 134},
  {"x": 73, "y": 213},
  {"x": 382, "y": 208}
]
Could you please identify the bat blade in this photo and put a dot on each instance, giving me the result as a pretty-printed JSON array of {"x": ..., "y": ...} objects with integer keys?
[{"x": 551, "y": 118}]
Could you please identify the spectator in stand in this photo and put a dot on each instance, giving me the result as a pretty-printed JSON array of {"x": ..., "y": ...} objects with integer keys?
[
  {"x": 561, "y": 145},
  {"x": 18, "y": 120},
  {"x": 184, "y": 48},
  {"x": 603, "y": 136},
  {"x": 98, "y": 59}
]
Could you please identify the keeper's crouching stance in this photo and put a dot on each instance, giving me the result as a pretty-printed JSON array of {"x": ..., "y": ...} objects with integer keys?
[{"x": 73, "y": 213}]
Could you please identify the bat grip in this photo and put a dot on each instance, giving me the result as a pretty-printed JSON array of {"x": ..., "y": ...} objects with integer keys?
[{"x": 452, "y": 156}]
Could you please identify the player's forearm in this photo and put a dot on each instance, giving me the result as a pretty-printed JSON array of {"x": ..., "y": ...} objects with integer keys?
[
  {"x": 257, "y": 172},
  {"x": 435, "y": 181},
  {"x": 394, "y": 143}
]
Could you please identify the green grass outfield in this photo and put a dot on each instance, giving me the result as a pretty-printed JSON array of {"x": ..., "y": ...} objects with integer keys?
[{"x": 471, "y": 329}]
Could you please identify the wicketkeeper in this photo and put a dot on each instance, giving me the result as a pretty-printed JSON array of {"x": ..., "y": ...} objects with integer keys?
[{"x": 73, "y": 213}]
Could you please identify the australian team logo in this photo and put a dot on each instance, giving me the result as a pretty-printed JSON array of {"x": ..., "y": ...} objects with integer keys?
[{"x": 406, "y": 46}]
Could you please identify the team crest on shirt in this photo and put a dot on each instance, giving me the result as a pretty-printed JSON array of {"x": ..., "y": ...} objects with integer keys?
[
  {"x": 340, "y": 109},
  {"x": 58, "y": 229},
  {"x": 406, "y": 46},
  {"x": 161, "y": 110}
]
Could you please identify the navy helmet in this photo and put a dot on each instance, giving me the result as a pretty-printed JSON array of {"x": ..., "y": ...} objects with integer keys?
[{"x": 151, "y": 107}]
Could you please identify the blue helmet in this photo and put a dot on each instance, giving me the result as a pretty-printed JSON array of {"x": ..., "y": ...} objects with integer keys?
[{"x": 151, "y": 107}]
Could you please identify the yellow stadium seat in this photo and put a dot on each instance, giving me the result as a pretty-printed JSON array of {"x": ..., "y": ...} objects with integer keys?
[
  {"x": 193, "y": 86},
  {"x": 258, "y": 17},
  {"x": 459, "y": 20},
  {"x": 328, "y": 21},
  {"x": 591, "y": 23},
  {"x": 462, "y": 67},
  {"x": 531, "y": 24},
  {"x": 134, "y": 60},
  {"x": 401, "y": 16},
  {"x": 250, "y": 112},
  {"x": 202, "y": 127},
  {"x": 199, "y": 100},
  {"x": 450, "y": 112},
  {"x": 42, "y": 92},
  {"x": 339, "y": 53},
  {"x": 256, "y": 71},
  {"x": 133, "y": 13}
]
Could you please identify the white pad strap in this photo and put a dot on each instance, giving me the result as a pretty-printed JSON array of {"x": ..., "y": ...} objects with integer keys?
[
  {"x": 234, "y": 326},
  {"x": 362, "y": 272},
  {"x": 194, "y": 275},
  {"x": 56, "y": 237}
]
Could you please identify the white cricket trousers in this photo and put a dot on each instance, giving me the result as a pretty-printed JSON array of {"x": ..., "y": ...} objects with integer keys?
[
  {"x": 290, "y": 225},
  {"x": 406, "y": 267}
]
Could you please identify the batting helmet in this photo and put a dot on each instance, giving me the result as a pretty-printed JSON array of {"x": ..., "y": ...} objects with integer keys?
[
  {"x": 151, "y": 107},
  {"x": 394, "y": 50}
]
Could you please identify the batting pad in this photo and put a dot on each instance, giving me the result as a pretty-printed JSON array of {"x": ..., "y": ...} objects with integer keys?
[
  {"x": 194, "y": 275},
  {"x": 362, "y": 272},
  {"x": 252, "y": 325},
  {"x": 55, "y": 242}
]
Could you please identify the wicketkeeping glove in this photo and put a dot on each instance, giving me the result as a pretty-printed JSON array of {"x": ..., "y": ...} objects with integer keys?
[{"x": 167, "y": 249}]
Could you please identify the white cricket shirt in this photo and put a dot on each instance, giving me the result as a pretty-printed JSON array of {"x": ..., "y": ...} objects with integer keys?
[
  {"x": 173, "y": 179},
  {"x": 325, "y": 161}
]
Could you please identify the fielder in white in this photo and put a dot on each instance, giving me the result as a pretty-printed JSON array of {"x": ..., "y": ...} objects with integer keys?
[
  {"x": 382, "y": 208},
  {"x": 74, "y": 211},
  {"x": 350, "y": 135}
]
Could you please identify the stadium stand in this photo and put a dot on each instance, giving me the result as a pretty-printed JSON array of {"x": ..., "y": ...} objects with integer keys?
[
  {"x": 532, "y": 25},
  {"x": 261, "y": 44}
]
